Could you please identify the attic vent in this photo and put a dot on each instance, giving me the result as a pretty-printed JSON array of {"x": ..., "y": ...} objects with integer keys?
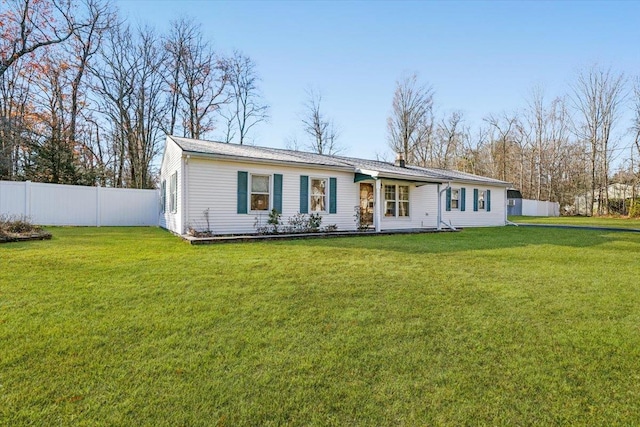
[{"x": 400, "y": 160}]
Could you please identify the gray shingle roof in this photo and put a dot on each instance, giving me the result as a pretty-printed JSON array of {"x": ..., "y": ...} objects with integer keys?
[{"x": 279, "y": 155}]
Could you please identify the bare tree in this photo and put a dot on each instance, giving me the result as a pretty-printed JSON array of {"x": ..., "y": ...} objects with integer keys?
[
  {"x": 597, "y": 95},
  {"x": 246, "y": 107},
  {"x": 130, "y": 86},
  {"x": 504, "y": 138},
  {"x": 449, "y": 136},
  {"x": 15, "y": 125},
  {"x": 29, "y": 25},
  {"x": 410, "y": 123},
  {"x": 196, "y": 78},
  {"x": 321, "y": 130}
]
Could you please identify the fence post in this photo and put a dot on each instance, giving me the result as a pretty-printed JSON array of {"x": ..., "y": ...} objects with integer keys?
[
  {"x": 98, "y": 204},
  {"x": 27, "y": 199}
]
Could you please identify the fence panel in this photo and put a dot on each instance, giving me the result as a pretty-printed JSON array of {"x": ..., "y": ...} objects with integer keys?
[
  {"x": 55, "y": 204},
  {"x": 12, "y": 198},
  {"x": 540, "y": 208},
  {"x": 122, "y": 206}
]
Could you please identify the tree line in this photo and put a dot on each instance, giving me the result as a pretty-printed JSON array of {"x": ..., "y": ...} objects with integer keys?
[
  {"x": 86, "y": 98},
  {"x": 551, "y": 149}
]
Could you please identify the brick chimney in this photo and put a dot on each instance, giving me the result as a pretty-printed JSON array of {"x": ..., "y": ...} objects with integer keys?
[{"x": 400, "y": 160}]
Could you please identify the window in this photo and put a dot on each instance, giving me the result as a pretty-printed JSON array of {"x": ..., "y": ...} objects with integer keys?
[
  {"x": 455, "y": 198},
  {"x": 511, "y": 202},
  {"x": 163, "y": 196},
  {"x": 403, "y": 200},
  {"x": 396, "y": 200},
  {"x": 318, "y": 194},
  {"x": 480, "y": 199},
  {"x": 389, "y": 200},
  {"x": 260, "y": 192},
  {"x": 173, "y": 192}
]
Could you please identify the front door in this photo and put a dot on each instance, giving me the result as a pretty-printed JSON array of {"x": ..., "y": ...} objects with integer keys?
[{"x": 366, "y": 205}]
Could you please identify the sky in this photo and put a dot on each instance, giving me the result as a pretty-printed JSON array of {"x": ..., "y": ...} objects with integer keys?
[{"x": 480, "y": 57}]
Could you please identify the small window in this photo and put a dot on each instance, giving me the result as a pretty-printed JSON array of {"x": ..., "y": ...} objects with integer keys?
[
  {"x": 260, "y": 192},
  {"x": 511, "y": 202},
  {"x": 318, "y": 194},
  {"x": 173, "y": 193},
  {"x": 455, "y": 199},
  {"x": 481, "y": 199},
  {"x": 396, "y": 200}
]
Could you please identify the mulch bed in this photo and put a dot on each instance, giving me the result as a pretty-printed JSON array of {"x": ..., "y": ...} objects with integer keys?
[{"x": 23, "y": 237}]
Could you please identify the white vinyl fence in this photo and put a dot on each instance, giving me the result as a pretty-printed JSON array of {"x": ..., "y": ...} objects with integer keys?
[
  {"x": 55, "y": 204},
  {"x": 540, "y": 208}
]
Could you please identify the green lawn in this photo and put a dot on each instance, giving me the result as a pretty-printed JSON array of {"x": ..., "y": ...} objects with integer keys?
[
  {"x": 579, "y": 221},
  {"x": 497, "y": 326}
]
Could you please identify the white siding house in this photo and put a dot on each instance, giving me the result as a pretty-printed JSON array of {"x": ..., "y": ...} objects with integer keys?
[{"x": 227, "y": 189}]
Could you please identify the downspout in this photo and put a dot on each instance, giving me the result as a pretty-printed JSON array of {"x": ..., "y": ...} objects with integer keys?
[
  {"x": 185, "y": 196},
  {"x": 376, "y": 213},
  {"x": 440, "y": 221}
]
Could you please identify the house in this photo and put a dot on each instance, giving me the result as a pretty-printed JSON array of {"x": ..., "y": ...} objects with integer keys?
[
  {"x": 228, "y": 189},
  {"x": 614, "y": 192}
]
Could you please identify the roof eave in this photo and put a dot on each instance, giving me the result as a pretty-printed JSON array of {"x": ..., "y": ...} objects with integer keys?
[{"x": 247, "y": 159}]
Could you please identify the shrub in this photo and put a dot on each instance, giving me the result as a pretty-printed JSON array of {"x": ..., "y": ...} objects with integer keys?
[
  {"x": 297, "y": 223},
  {"x": 18, "y": 225},
  {"x": 634, "y": 209},
  {"x": 274, "y": 220},
  {"x": 315, "y": 219}
]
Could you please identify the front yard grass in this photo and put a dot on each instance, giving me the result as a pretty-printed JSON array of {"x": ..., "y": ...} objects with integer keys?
[
  {"x": 497, "y": 326},
  {"x": 579, "y": 221}
]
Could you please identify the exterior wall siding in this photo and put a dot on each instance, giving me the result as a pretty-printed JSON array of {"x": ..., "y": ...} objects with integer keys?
[
  {"x": 481, "y": 218},
  {"x": 423, "y": 208},
  {"x": 172, "y": 162},
  {"x": 212, "y": 193}
]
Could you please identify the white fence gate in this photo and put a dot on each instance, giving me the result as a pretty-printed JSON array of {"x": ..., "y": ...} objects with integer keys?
[
  {"x": 540, "y": 208},
  {"x": 55, "y": 204}
]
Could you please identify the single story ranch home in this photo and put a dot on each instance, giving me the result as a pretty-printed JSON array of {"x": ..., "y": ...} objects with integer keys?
[{"x": 228, "y": 189}]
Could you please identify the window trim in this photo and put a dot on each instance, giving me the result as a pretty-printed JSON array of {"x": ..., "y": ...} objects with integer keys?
[
  {"x": 482, "y": 200},
  {"x": 396, "y": 201},
  {"x": 456, "y": 199},
  {"x": 173, "y": 192},
  {"x": 325, "y": 195},
  {"x": 269, "y": 193},
  {"x": 163, "y": 196}
]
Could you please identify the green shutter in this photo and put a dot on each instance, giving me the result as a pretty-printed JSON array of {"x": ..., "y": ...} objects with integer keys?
[
  {"x": 463, "y": 197},
  {"x": 488, "y": 201},
  {"x": 243, "y": 179},
  {"x": 333, "y": 195},
  {"x": 304, "y": 194},
  {"x": 448, "y": 199},
  {"x": 475, "y": 200},
  {"x": 277, "y": 192}
]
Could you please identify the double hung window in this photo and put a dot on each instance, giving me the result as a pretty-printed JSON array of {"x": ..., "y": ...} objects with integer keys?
[
  {"x": 260, "y": 193},
  {"x": 318, "y": 194},
  {"x": 396, "y": 200}
]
